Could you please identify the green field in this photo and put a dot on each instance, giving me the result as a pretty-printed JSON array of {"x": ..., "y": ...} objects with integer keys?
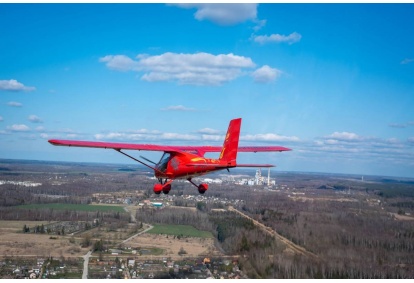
[
  {"x": 179, "y": 230},
  {"x": 78, "y": 207}
]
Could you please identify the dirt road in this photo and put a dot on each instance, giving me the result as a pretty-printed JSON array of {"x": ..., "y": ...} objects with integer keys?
[
  {"x": 85, "y": 265},
  {"x": 270, "y": 231}
]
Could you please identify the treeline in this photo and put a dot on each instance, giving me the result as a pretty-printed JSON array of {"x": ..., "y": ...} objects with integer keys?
[{"x": 47, "y": 214}]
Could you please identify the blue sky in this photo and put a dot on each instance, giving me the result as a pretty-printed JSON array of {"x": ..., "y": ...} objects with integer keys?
[{"x": 334, "y": 82}]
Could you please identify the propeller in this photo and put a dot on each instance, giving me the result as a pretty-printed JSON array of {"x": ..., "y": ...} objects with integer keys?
[{"x": 148, "y": 160}]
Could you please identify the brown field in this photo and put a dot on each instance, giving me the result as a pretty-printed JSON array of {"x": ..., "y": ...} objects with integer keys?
[
  {"x": 15, "y": 243},
  {"x": 194, "y": 247}
]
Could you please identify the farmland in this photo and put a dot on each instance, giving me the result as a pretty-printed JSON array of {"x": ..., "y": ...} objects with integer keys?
[
  {"x": 179, "y": 230},
  {"x": 77, "y": 207}
]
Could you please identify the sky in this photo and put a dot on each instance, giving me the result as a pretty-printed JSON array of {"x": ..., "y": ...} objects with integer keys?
[{"x": 333, "y": 82}]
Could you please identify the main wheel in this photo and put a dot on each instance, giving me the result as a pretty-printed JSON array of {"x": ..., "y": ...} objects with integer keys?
[
  {"x": 166, "y": 189},
  {"x": 157, "y": 189},
  {"x": 202, "y": 188}
]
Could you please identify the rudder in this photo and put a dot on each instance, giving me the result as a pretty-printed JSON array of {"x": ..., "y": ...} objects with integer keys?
[{"x": 231, "y": 143}]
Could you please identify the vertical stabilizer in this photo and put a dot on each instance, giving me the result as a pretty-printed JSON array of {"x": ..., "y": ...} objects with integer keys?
[{"x": 231, "y": 143}]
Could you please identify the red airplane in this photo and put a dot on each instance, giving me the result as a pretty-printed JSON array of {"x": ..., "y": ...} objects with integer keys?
[{"x": 185, "y": 162}]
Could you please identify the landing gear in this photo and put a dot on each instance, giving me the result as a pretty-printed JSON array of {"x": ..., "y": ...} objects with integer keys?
[
  {"x": 202, "y": 188},
  {"x": 165, "y": 188},
  {"x": 157, "y": 189}
]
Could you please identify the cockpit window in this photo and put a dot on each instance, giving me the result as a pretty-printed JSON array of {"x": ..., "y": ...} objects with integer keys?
[{"x": 162, "y": 165}]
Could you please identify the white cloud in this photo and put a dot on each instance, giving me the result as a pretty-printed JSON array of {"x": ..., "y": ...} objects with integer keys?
[
  {"x": 215, "y": 138},
  {"x": 178, "y": 108},
  {"x": 119, "y": 62},
  {"x": 14, "y": 104},
  {"x": 195, "y": 69},
  {"x": 345, "y": 136},
  {"x": 145, "y": 136},
  {"x": 223, "y": 14},
  {"x": 407, "y": 61},
  {"x": 411, "y": 140},
  {"x": 396, "y": 125},
  {"x": 278, "y": 38},
  {"x": 18, "y": 128},
  {"x": 259, "y": 24},
  {"x": 269, "y": 138},
  {"x": 13, "y": 85},
  {"x": 208, "y": 131},
  {"x": 35, "y": 119},
  {"x": 266, "y": 74},
  {"x": 1, "y": 119}
]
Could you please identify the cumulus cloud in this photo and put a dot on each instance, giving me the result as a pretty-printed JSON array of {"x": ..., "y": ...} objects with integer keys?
[
  {"x": 14, "y": 104},
  {"x": 269, "y": 138},
  {"x": 195, "y": 69},
  {"x": 259, "y": 24},
  {"x": 213, "y": 138},
  {"x": 119, "y": 62},
  {"x": 35, "y": 119},
  {"x": 14, "y": 85},
  {"x": 278, "y": 38},
  {"x": 223, "y": 14},
  {"x": 18, "y": 128},
  {"x": 345, "y": 136},
  {"x": 123, "y": 136},
  {"x": 178, "y": 108},
  {"x": 208, "y": 131},
  {"x": 266, "y": 74}
]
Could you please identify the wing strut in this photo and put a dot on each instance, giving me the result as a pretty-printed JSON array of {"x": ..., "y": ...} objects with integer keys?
[{"x": 139, "y": 161}]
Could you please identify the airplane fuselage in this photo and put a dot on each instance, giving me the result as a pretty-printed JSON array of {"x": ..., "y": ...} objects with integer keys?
[{"x": 185, "y": 166}]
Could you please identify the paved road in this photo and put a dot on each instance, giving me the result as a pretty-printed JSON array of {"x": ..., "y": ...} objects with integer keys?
[{"x": 85, "y": 265}]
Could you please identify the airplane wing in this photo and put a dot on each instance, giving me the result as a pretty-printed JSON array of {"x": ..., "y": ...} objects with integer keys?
[
  {"x": 117, "y": 146},
  {"x": 201, "y": 150}
]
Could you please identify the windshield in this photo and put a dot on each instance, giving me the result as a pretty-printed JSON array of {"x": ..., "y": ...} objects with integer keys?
[{"x": 162, "y": 165}]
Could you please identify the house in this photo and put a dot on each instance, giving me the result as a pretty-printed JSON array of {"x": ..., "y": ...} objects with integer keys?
[{"x": 131, "y": 262}]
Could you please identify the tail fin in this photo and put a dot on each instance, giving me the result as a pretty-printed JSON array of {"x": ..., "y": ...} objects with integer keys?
[{"x": 231, "y": 143}]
